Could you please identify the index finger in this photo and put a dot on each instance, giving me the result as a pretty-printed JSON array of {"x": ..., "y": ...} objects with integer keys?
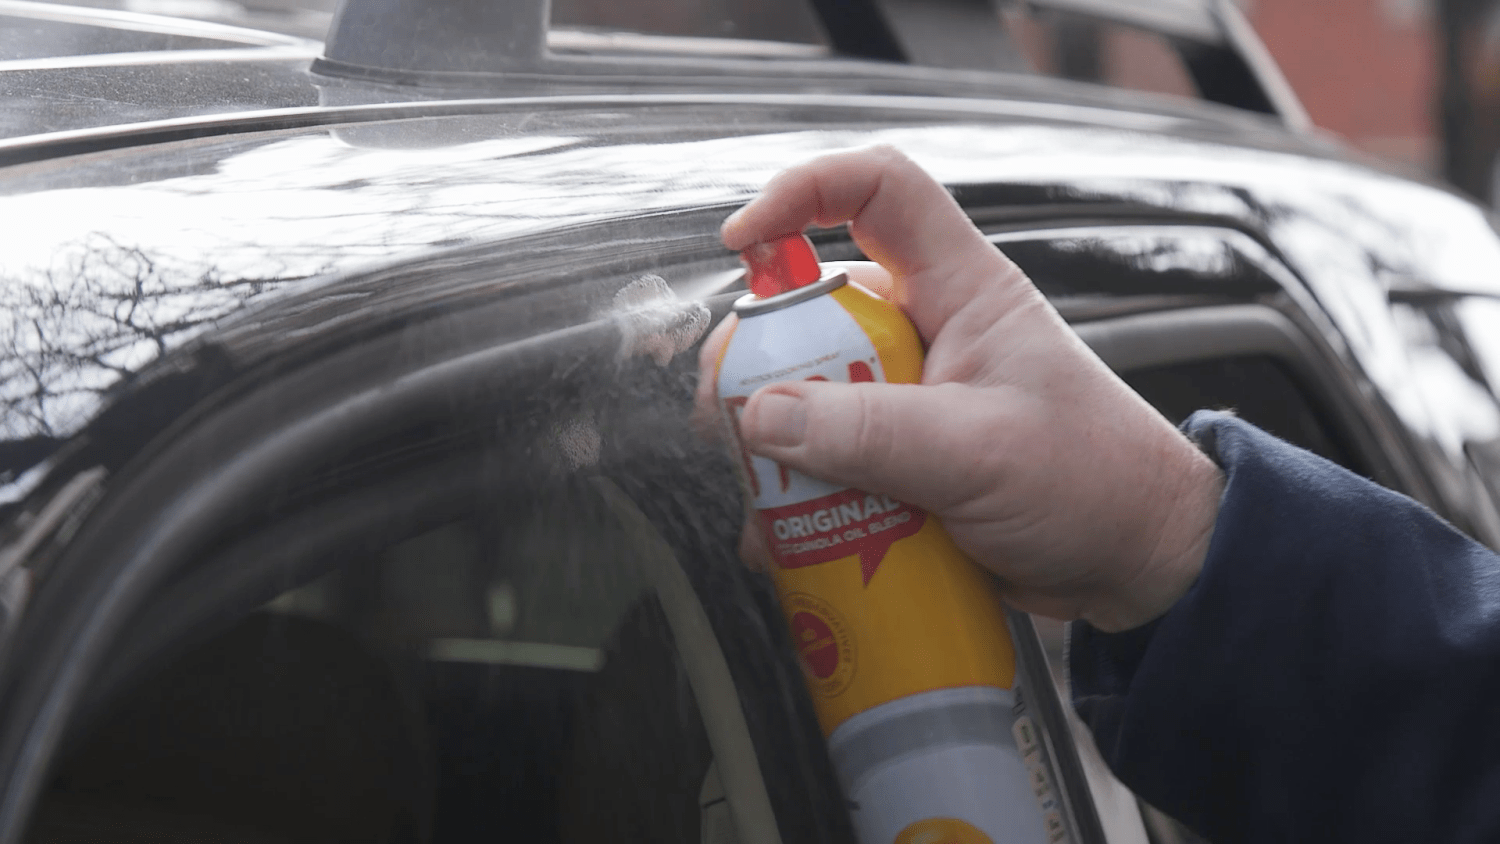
[{"x": 900, "y": 216}]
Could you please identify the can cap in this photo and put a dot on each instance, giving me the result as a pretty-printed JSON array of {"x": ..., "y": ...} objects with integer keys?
[{"x": 780, "y": 265}]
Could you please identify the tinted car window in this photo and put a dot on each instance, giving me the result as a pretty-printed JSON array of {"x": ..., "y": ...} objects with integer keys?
[
  {"x": 461, "y": 618},
  {"x": 1259, "y": 389},
  {"x": 507, "y": 675}
]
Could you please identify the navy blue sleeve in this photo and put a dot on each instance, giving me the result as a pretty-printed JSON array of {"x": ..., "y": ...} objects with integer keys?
[{"x": 1333, "y": 675}]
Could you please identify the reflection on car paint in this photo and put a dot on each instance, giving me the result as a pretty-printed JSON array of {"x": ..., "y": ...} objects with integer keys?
[{"x": 98, "y": 288}]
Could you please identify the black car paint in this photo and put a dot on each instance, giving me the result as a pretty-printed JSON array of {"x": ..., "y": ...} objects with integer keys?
[
  {"x": 410, "y": 191},
  {"x": 176, "y": 268}
]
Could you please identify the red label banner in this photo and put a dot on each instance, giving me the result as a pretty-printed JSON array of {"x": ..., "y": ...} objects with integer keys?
[
  {"x": 840, "y": 525},
  {"x": 816, "y": 643}
]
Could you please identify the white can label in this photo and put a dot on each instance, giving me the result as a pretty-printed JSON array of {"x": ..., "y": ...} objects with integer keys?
[
  {"x": 815, "y": 340},
  {"x": 808, "y": 521}
]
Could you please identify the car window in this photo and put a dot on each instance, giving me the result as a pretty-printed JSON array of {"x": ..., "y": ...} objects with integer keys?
[
  {"x": 508, "y": 674},
  {"x": 1258, "y": 388},
  {"x": 510, "y": 609},
  {"x": 486, "y": 581},
  {"x": 499, "y": 598}
]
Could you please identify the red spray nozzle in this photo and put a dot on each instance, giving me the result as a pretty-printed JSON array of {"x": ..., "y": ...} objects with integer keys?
[{"x": 781, "y": 265}]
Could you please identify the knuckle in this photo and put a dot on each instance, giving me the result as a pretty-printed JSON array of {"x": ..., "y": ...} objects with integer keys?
[
  {"x": 868, "y": 438},
  {"x": 889, "y": 155},
  {"x": 986, "y": 466},
  {"x": 987, "y": 450}
]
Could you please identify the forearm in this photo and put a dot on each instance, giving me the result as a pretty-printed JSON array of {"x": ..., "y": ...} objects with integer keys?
[{"x": 1331, "y": 673}]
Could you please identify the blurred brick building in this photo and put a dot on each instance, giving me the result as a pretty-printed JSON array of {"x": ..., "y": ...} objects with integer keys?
[{"x": 1367, "y": 70}]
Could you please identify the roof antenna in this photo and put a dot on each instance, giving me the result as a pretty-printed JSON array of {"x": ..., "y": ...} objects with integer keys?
[{"x": 408, "y": 41}]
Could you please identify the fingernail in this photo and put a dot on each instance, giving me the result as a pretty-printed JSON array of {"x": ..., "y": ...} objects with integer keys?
[
  {"x": 775, "y": 419},
  {"x": 730, "y": 221}
]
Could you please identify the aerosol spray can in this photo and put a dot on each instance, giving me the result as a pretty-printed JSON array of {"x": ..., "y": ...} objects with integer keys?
[{"x": 902, "y": 638}]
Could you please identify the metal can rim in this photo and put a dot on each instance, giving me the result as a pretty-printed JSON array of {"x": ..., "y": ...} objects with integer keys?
[{"x": 751, "y": 305}]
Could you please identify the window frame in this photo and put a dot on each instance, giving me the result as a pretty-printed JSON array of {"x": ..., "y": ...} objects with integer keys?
[{"x": 1285, "y": 323}]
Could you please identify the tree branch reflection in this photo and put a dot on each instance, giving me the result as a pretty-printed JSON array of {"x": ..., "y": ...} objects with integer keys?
[{"x": 72, "y": 331}]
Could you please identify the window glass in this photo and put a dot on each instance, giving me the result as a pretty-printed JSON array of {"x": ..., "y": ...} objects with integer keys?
[
  {"x": 1258, "y": 388},
  {"x": 460, "y": 616},
  {"x": 510, "y": 675}
]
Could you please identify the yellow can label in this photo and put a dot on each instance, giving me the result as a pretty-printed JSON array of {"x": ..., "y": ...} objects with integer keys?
[
  {"x": 824, "y": 643},
  {"x": 880, "y": 603},
  {"x": 925, "y": 618}
]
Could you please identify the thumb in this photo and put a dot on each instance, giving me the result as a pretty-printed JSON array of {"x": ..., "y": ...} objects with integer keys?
[{"x": 911, "y": 442}]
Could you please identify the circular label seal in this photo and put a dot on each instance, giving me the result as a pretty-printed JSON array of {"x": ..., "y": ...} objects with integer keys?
[
  {"x": 941, "y": 831},
  {"x": 824, "y": 646}
]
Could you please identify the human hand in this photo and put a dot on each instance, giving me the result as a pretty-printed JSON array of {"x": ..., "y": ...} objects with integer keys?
[{"x": 1044, "y": 467}]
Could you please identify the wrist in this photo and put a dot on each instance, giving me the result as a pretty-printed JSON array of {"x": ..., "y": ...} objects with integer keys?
[{"x": 1192, "y": 485}]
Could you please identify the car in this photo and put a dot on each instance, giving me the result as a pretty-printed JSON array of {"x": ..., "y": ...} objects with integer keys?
[{"x": 348, "y": 483}]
